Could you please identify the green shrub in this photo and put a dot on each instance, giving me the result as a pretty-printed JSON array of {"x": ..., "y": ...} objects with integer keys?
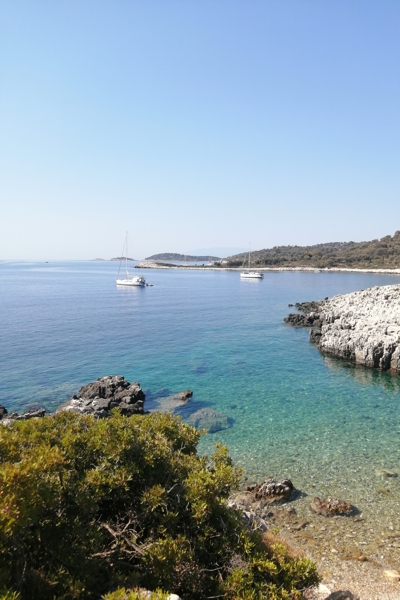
[{"x": 89, "y": 506}]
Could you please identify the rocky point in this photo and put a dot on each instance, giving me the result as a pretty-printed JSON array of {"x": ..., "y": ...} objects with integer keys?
[
  {"x": 363, "y": 327},
  {"x": 99, "y": 397}
]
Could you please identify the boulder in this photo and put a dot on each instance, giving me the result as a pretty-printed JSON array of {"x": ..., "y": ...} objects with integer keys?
[
  {"x": 99, "y": 397},
  {"x": 112, "y": 387},
  {"x": 331, "y": 507},
  {"x": 271, "y": 490}
]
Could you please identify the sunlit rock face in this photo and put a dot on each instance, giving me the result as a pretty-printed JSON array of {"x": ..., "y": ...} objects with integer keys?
[{"x": 363, "y": 327}]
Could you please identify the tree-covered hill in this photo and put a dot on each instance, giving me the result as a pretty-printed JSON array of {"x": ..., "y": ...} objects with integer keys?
[
  {"x": 376, "y": 254},
  {"x": 182, "y": 257}
]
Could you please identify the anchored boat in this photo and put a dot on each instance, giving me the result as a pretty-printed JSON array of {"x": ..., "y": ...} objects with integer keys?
[
  {"x": 248, "y": 274},
  {"x": 129, "y": 279}
]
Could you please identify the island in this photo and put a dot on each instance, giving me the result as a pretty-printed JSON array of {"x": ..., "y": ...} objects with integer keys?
[
  {"x": 376, "y": 254},
  {"x": 181, "y": 257}
]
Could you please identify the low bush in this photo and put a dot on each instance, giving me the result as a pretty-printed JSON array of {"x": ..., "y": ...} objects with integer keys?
[{"x": 89, "y": 507}]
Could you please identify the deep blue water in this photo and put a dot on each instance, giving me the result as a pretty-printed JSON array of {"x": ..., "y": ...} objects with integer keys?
[{"x": 320, "y": 421}]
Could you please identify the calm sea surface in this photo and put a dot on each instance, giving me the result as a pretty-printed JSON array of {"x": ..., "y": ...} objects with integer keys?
[{"x": 327, "y": 425}]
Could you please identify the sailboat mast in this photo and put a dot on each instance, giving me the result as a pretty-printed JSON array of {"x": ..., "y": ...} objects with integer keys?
[{"x": 126, "y": 255}]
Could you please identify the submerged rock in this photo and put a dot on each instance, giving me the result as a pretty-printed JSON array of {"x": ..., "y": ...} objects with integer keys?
[
  {"x": 330, "y": 507},
  {"x": 99, "y": 397},
  {"x": 209, "y": 419},
  {"x": 172, "y": 403}
]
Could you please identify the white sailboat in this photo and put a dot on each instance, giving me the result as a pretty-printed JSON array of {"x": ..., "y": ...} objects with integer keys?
[
  {"x": 129, "y": 279},
  {"x": 247, "y": 274}
]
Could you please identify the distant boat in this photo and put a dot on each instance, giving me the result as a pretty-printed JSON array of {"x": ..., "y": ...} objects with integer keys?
[
  {"x": 247, "y": 274},
  {"x": 129, "y": 279}
]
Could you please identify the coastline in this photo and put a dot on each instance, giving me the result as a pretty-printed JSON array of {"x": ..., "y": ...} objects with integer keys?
[
  {"x": 143, "y": 265},
  {"x": 355, "y": 552},
  {"x": 359, "y": 571},
  {"x": 348, "y": 553}
]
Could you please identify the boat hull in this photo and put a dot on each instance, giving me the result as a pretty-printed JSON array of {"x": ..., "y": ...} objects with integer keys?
[
  {"x": 251, "y": 275},
  {"x": 132, "y": 281}
]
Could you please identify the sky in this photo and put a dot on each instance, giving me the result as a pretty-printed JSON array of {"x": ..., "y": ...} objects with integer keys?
[{"x": 196, "y": 124}]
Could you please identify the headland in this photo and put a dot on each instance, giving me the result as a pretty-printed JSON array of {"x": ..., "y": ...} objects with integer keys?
[{"x": 362, "y": 327}]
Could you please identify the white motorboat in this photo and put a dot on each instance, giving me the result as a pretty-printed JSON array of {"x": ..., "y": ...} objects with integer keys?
[
  {"x": 136, "y": 280},
  {"x": 248, "y": 274}
]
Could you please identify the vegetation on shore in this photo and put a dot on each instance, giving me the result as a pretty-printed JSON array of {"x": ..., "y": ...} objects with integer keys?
[
  {"x": 376, "y": 254},
  {"x": 93, "y": 508},
  {"x": 181, "y": 257}
]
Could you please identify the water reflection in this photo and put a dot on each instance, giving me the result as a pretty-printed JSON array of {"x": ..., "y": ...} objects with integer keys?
[{"x": 364, "y": 375}]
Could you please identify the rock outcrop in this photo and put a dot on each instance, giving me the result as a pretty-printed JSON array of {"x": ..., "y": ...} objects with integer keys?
[
  {"x": 99, "y": 397},
  {"x": 272, "y": 490},
  {"x": 363, "y": 327},
  {"x": 7, "y": 418},
  {"x": 309, "y": 314}
]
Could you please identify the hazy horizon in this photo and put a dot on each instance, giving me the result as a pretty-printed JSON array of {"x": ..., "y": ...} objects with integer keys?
[{"x": 196, "y": 125}]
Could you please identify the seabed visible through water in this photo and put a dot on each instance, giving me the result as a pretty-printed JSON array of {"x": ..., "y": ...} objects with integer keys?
[{"x": 332, "y": 428}]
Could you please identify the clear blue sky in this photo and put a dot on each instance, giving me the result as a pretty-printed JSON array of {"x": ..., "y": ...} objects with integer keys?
[{"x": 196, "y": 124}]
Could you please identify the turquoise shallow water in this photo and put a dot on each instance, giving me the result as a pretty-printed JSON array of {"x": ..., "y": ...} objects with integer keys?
[{"x": 327, "y": 425}]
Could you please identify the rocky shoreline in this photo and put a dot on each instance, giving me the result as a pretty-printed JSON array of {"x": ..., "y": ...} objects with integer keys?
[
  {"x": 154, "y": 265},
  {"x": 331, "y": 531},
  {"x": 362, "y": 327}
]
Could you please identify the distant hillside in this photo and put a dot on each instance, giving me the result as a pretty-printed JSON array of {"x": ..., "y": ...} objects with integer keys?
[
  {"x": 376, "y": 254},
  {"x": 181, "y": 257},
  {"x": 122, "y": 258}
]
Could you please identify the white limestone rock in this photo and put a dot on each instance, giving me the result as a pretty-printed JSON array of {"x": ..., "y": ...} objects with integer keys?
[{"x": 363, "y": 327}]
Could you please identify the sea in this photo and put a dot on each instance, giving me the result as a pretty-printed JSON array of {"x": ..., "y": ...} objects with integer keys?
[{"x": 331, "y": 427}]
